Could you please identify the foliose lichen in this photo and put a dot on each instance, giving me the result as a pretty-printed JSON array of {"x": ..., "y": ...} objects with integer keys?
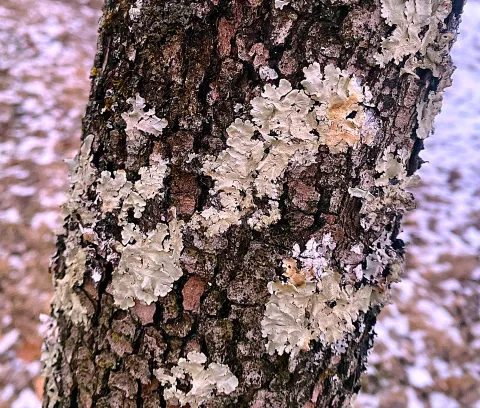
[
  {"x": 286, "y": 128},
  {"x": 389, "y": 190},
  {"x": 416, "y": 30},
  {"x": 420, "y": 40},
  {"x": 82, "y": 176},
  {"x": 51, "y": 351},
  {"x": 140, "y": 120},
  {"x": 314, "y": 304},
  {"x": 204, "y": 381},
  {"x": 319, "y": 309},
  {"x": 66, "y": 299},
  {"x": 280, "y": 4},
  {"x": 117, "y": 192},
  {"x": 135, "y": 11},
  {"x": 149, "y": 264}
]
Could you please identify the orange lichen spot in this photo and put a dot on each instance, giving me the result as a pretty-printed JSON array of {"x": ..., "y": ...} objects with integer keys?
[
  {"x": 346, "y": 121},
  {"x": 295, "y": 276}
]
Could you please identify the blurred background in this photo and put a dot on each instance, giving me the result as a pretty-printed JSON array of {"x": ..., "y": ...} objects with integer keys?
[{"x": 427, "y": 353}]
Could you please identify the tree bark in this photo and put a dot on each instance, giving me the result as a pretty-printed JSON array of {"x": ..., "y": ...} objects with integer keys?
[{"x": 194, "y": 225}]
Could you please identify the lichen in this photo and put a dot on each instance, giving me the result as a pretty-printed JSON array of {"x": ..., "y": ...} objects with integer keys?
[
  {"x": 203, "y": 381},
  {"x": 421, "y": 39},
  {"x": 82, "y": 176},
  {"x": 117, "y": 192},
  {"x": 389, "y": 190},
  {"x": 415, "y": 35},
  {"x": 148, "y": 266},
  {"x": 140, "y": 120},
  {"x": 313, "y": 304},
  {"x": 51, "y": 351},
  {"x": 280, "y": 4},
  {"x": 65, "y": 299},
  {"x": 317, "y": 309},
  {"x": 427, "y": 111},
  {"x": 135, "y": 11},
  {"x": 112, "y": 190},
  {"x": 287, "y": 127},
  {"x": 149, "y": 262}
]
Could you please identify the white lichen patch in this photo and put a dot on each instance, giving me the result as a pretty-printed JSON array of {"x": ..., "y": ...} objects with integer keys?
[
  {"x": 82, "y": 176},
  {"x": 415, "y": 35},
  {"x": 152, "y": 177},
  {"x": 342, "y": 121},
  {"x": 140, "y": 120},
  {"x": 314, "y": 304},
  {"x": 427, "y": 111},
  {"x": 287, "y": 127},
  {"x": 117, "y": 192},
  {"x": 65, "y": 299},
  {"x": 135, "y": 11},
  {"x": 316, "y": 255},
  {"x": 382, "y": 254},
  {"x": 280, "y": 4},
  {"x": 51, "y": 351},
  {"x": 112, "y": 190},
  {"x": 319, "y": 309},
  {"x": 149, "y": 265},
  {"x": 390, "y": 167},
  {"x": 266, "y": 73},
  {"x": 422, "y": 39},
  {"x": 391, "y": 185},
  {"x": 204, "y": 381}
]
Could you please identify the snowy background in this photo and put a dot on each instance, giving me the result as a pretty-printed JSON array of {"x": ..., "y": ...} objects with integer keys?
[{"x": 427, "y": 353}]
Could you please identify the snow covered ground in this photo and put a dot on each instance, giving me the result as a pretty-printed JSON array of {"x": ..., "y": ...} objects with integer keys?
[{"x": 427, "y": 352}]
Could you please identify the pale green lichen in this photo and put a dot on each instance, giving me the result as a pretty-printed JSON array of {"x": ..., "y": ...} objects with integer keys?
[
  {"x": 65, "y": 299},
  {"x": 135, "y": 11},
  {"x": 320, "y": 309},
  {"x": 82, "y": 176},
  {"x": 382, "y": 254},
  {"x": 113, "y": 190},
  {"x": 152, "y": 177},
  {"x": 150, "y": 265},
  {"x": 51, "y": 352},
  {"x": 422, "y": 39},
  {"x": 292, "y": 123},
  {"x": 416, "y": 32},
  {"x": 392, "y": 182},
  {"x": 204, "y": 381},
  {"x": 117, "y": 192},
  {"x": 280, "y": 4},
  {"x": 427, "y": 111},
  {"x": 138, "y": 120},
  {"x": 313, "y": 305}
]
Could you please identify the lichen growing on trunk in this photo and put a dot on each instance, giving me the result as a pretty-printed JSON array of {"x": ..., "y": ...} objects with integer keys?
[{"x": 267, "y": 140}]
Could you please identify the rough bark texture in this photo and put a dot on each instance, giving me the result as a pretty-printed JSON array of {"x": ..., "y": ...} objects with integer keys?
[{"x": 193, "y": 62}]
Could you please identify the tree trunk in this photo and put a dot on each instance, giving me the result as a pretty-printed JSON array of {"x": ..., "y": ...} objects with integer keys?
[{"x": 231, "y": 233}]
